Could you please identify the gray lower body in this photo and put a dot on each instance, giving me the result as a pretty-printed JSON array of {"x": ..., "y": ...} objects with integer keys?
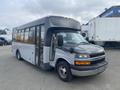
[{"x": 88, "y": 70}]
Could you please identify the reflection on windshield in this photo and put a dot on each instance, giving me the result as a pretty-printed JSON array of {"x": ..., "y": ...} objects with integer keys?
[{"x": 72, "y": 38}]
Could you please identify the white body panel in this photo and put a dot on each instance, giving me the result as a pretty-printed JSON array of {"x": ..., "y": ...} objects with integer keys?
[
  {"x": 46, "y": 54},
  {"x": 8, "y": 38},
  {"x": 104, "y": 29},
  {"x": 69, "y": 57},
  {"x": 27, "y": 51}
]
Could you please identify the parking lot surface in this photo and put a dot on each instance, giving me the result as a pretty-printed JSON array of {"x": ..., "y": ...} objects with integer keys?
[{"x": 20, "y": 75}]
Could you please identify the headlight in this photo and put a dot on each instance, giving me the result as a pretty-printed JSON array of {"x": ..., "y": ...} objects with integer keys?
[{"x": 82, "y": 56}]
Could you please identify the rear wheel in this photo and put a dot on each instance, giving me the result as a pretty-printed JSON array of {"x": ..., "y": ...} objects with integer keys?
[
  {"x": 18, "y": 56},
  {"x": 63, "y": 71}
]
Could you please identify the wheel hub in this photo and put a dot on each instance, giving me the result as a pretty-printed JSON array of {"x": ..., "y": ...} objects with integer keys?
[{"x": 62, "y": 71}]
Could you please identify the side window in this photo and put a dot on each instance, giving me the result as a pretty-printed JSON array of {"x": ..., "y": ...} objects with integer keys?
[
  {"x": 22, "y": 35},
  {"x": 37, "y": 34},
  {"x": 13, "y": 34},
  {"x": 18, "y": 36},
  {"x": 26, "y": 35},
  {"x": 17, "y": 32},
  {"x": 32, "y": 35},
  {"x": 42, "y": 33}
]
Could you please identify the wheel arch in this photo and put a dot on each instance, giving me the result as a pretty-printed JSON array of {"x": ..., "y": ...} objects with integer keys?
[
  {"x": 17, "y": 51},
  {"x": 59, "y": 60}
]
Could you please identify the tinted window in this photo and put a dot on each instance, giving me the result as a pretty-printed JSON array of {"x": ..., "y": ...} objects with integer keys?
[
  {"x": 42, "y": 33},
  {"x": 26, "y": 35},
  {"x": 32, "y": 35},
  {"x": 22, "y": 36}
]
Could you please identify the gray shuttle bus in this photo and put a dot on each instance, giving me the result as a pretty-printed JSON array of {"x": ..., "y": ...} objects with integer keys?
[{"x": 56, "y": 42}]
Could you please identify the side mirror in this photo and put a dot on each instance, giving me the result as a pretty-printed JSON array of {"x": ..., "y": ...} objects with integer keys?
[
  {"x": 71, "y": 50},
  {"x": 84, "y": 34},
  {"x": 60, "y": 40}
]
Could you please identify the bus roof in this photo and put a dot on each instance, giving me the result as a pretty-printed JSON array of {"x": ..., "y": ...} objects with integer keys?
[{"x": 53, "y": 21}]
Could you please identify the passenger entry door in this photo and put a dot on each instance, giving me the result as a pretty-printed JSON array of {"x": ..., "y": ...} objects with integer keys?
[
  {"x": 39, "y": 46},
  {"x": 52, "y": 48}
]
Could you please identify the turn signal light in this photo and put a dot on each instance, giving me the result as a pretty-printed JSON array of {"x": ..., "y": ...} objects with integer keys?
[{"x": 82, "y": 62}]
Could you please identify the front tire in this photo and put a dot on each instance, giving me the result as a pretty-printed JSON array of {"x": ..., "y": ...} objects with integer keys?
[{"x": 63, "y": 71}]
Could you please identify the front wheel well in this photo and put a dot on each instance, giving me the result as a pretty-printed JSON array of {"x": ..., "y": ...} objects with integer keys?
[{"x": 60, "y": 60}]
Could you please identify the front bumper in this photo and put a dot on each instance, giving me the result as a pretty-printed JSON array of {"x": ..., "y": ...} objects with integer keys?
[{"x": 88, "y": 70}]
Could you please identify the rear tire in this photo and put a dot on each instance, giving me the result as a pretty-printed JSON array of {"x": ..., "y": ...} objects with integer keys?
[
  {"x": 18, "y": 55},
  {"x": 63, "y": 71}
]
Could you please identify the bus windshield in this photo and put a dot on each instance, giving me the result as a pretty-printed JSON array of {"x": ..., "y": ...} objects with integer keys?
[{"x": 72, "y": 38}]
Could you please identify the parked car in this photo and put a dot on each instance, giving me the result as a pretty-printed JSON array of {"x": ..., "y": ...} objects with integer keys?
[
  {"x": 6, "y": 36},
  {"x": 1, "y": 42}
]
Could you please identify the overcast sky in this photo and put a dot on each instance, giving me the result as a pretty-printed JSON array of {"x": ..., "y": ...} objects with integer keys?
[{"x": 16, "y": 12}]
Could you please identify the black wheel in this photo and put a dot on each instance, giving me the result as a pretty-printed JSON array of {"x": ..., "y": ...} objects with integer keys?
[
  {"x": 18, "y": 56},
  {"x": 63, "y": 71},
  {"x": 5, "y": 43}
]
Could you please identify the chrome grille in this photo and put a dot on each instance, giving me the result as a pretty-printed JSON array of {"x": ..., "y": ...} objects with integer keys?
[{"x": 97, "y": 54}]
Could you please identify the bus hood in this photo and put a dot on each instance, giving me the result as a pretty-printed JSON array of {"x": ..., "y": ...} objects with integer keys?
[
  {"x": 86, "y": 48},
  {"x": 89, "y": 48}
]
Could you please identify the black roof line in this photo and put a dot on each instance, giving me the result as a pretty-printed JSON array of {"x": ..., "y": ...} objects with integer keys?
[{"x": 42, "y": 20}]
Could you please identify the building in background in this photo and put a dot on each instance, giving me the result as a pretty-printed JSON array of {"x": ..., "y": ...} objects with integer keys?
[
  {"x": 104, "y": 28},
  {"x": 113, "y": 11}
]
